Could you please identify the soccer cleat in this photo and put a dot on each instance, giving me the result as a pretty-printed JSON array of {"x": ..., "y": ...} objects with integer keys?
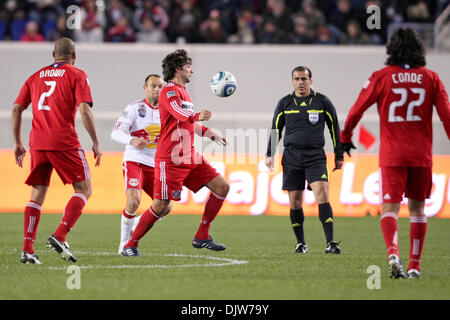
[
  {"x": 301, "y": 248},
  {"x": 208, "y": 244},
  {"x": 121, "y": 246},
  {"x": 123, "y": 242},
  {"x": 413, "y": 274},
  {"x": 130, "y": 252},
  {"x": 332, "y": 247},
  {"x": 395, "y": 267},
  {"x": 62, "y": 248},
  {"x": 27, "y": 258}
]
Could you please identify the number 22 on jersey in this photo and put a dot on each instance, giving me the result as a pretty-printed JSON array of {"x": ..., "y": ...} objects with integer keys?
[{"x": 403, "y": 92}]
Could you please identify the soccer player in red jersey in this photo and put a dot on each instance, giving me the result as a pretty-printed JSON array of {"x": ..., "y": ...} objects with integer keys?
[
  {"x": 138, "y": 129},
  {"x": 55, "y": 92},
  {"x": 176, "y": 162},
  {"x": 405, "y": 92}
]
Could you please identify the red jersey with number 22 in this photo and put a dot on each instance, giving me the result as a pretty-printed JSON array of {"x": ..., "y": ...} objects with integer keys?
[
  {"x": 55, "y": 92},
  {"x": 405, "y": 98}
]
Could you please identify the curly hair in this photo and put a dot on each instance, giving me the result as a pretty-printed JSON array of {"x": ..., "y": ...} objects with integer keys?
[
  {"x": 173, "y": 61},
  {"x": 406, "y": 46}
]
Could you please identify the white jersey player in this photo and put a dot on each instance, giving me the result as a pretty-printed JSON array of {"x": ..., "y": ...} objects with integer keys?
[{"x": 138, "y": 129}]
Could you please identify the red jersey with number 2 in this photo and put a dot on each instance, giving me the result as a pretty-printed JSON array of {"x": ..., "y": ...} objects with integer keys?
[
  {"x": 55, "y": 92},
  {"x": 405, "y": 98}
]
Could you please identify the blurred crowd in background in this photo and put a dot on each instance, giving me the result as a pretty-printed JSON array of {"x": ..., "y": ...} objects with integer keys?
[{"x": 209, "y": 21}]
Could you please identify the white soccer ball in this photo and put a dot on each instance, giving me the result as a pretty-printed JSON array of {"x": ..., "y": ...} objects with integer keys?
[{"x": 223, "y": 84}]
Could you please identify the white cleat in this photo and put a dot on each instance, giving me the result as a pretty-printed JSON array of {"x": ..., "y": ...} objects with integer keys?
[
  {"x": 127, "y": 226},
  {"x": 413, "y": 274},
  {"x": 29, "y": 258},
  {"x": 395, "y": 267},
  {"x": 62, "y": 248},
  {"x": 121, "y": 246}
]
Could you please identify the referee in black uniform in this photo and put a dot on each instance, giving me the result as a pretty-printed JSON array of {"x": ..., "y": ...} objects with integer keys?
[{"x": 303, "y": 114}]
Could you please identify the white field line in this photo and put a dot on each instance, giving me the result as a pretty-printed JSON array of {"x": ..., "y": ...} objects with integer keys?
[{"x": 221, "y": 262}]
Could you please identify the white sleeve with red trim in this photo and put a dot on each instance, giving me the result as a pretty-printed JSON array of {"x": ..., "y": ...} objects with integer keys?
[{"x": 121, "y": 131}]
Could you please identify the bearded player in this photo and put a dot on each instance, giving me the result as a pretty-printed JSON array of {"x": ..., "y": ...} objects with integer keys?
[{"x": 139, "y": 129}]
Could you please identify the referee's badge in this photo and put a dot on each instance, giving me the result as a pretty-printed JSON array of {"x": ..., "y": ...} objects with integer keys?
[{"x": 313, "y": 117}]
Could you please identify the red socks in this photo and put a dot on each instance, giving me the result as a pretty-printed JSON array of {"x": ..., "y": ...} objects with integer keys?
[
  {"x": 149, "y": 218},
  {"x": 32, "y": 216},
  {"x": 389, "y": 228},
  {"x": 146, "y": 222},
  {"x": 72, "y": 212},
  {"x": 417, "y": 231},
  {"x": 212, "y": 208}
]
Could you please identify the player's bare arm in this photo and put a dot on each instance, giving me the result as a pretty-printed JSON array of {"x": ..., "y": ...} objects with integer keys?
[
  {"x": 218, "y": 139},
  {"x": 19, "y": 148},
  {"x": 203, "y": 131},
  {"x": 88, "y": 121}
]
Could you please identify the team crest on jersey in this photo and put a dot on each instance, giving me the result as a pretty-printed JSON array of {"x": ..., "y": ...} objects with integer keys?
[
  {"x": 170, "y": 94},
  {"x": 133, "y": 182},
  {"x": 176, "y": 194},
  {"x": 142, "y": 111},
  {"x": 313, "y": 117}
]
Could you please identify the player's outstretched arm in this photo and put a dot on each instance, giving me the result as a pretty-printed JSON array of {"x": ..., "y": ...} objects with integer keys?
[
  {"x": 19, "y": 148},
  {"x": 203, "y": 131},
  {"x": 88, "y": 121}
]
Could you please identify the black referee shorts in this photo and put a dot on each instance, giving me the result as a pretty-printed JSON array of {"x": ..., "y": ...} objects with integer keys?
[{"x": 300, "y": 165}]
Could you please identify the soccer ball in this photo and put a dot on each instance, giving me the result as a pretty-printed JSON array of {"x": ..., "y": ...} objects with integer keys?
[{"x": 223, "y": 84}]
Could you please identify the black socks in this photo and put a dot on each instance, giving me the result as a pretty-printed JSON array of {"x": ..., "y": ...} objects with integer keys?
[
  {"x": 326, "y": 217},
  {"x": 297, "y": 219}
]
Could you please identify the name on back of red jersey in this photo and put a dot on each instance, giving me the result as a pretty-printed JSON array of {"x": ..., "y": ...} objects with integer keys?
[
  {"x": 402, "y": 77},
  {"x": 52, "y": 73}
]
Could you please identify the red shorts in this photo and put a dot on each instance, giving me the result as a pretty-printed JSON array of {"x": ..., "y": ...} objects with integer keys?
[
  {"x": 170, "y": 178},
  {"x": 71, "y": 166},
  {"x": 414, "y": 182},
  {"x": 139, "y": 176}
]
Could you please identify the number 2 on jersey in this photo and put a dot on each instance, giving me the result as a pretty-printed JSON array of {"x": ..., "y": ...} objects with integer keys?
[
  {"x": 52, "y": 85},
  {"x": 403, "y": 92}
]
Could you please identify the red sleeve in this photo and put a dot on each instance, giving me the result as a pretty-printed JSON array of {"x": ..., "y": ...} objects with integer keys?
[
  {"x": 367, "y": 97},
  {"x": 440, "y": 100},
  {"x": 174, "y": 106},
  {"x": 24, "y": 98},
  {"x": 82, "y": 89}
]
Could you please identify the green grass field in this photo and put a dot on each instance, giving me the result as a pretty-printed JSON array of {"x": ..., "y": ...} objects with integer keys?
[{"x": 259, "y": 262}]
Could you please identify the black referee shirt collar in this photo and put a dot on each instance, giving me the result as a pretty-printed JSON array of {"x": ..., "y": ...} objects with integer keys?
[{"x": 312, "y": 93}]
